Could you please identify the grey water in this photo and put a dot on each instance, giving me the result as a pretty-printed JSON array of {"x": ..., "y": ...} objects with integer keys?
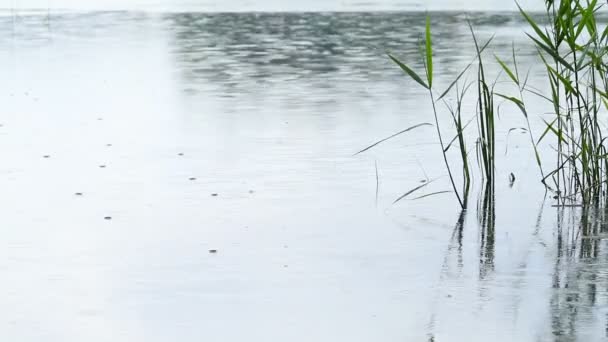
[
  {"x": 271, "y": 5},
  {"x": 187, "y": 175}
]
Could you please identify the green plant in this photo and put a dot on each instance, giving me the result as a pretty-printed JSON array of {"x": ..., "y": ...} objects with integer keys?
[
  {"x": 428, "y": 84},
  {"x": 573, "y": 52},
  {"x": 485, "y": 113}
]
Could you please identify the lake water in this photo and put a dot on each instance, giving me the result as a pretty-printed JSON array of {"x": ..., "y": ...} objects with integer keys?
[
  {"x": 188, "y": 176},
  {"x": 273, "y": 5}
]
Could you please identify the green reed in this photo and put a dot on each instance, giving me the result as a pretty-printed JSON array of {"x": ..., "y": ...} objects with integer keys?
[
  {"x": 485, "y": 143},
  {"x": 574, "y": 52},
  {"x": 428, "y": 84},
  {"x": 485, "y": 117}
]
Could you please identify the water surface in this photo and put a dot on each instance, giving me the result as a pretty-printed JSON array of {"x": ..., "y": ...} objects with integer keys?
[
  {"x": 273, "y": 5},
  {"x": 236, "y": 133}
]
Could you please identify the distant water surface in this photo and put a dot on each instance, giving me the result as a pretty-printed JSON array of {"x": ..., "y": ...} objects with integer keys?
[{"x": 276, "y": 5}]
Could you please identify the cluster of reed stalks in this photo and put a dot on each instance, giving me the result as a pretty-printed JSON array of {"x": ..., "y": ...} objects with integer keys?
[
  {"x": 573, "y": 51},
  {"x": 485, "y": 142}
]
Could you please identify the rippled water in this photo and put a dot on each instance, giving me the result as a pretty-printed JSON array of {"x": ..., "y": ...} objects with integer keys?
[
  {"x": 273, "y": 5},
  {"x": 186, "y": 132}
]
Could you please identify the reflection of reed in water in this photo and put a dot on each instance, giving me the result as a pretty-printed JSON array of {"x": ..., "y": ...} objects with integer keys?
[
  {"x": 580, "y": 277},
  {"x": 577, "y": 292},
  {"x": 455, "y": 246},
  {"x": 457, "y": 236},
  {"x": 487, "y": 221}
]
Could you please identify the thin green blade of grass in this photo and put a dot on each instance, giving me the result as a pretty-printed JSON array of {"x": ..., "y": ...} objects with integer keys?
[
  {"x": 458, "y": 134},
  {"x": 432, "y": 194},
  {"x": 603, "y": 94},
  {"x": 515, "y": 61},
  {"x": 586, "y": 52},
  {"x": 551, "y": 129},
  {"x": 516, "y": 101},
  {"x": 537, "y": 156},
  {"x": 539, "y": 94},
  {"x": 463, "y": 71},
  {"x": 560, "y": 167},
  {"x": 547, "y": 130},
  {"x": 453, "y": 83},
  {"x": 588, "y": 20},
  {"x": 507, "y": 70},
  {"x": 429, "y": 52},
  {"x": 392, "y": 136},
  {"x": 413, "y": 190},
  {"x": 604, "y": 33},
  {"x": 566, "y": 82},
  {"x": 408, "y": 71},
  {"x": 583, "y": 22},
  {"x": 525, "y": 83},
  {"x": 535, "y": 26},
  {"x": 553, "y": 53}
]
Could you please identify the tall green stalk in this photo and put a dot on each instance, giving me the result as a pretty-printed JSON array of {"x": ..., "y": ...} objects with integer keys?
[
  {"x": 485, "y": 116},
  {"x": 428, "y": 64}
]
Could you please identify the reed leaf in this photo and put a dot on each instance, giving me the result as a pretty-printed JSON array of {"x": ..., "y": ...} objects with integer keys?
[
  {"x": 429, "y": 52},
  {"x": 552, "y": 53},
  {"x": 507, "y": 70},
  {"x": 413, "y": 190},
  {"x": 431, "y": 194},
  {"x": 535, "y": 26},
  {"x": 408, "y": 71},
  {"x": 392, "y": 136}
]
